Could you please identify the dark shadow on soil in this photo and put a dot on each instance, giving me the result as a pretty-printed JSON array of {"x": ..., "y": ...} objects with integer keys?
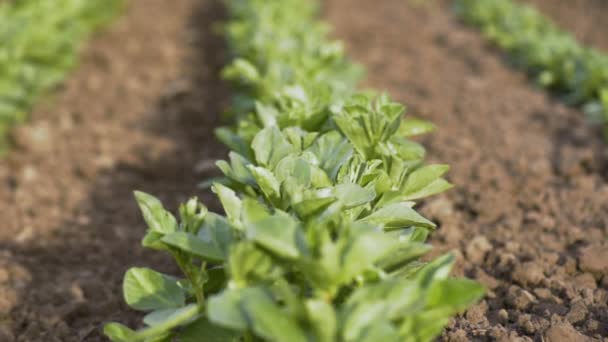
[{"x": 76, "y": 284}]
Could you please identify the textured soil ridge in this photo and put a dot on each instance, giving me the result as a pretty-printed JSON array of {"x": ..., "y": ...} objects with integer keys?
[
  {"x": 529, "y": 214},
  {"x": 137, "y": 114},
  {"x": 528, "y": 217}
]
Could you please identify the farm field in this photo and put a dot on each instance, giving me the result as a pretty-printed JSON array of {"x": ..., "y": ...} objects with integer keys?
[{"x": 528, "y": 217}]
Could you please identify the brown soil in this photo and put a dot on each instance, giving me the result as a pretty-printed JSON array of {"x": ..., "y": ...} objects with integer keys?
[
  {"x": 529, "y": 215},
  {"x": 137, "y": 114}
]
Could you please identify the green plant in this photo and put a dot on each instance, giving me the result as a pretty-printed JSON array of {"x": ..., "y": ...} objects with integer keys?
[
  {"x": 40, "y": 40},
  {"x": 535, "y": 44},
  {"x": 320, "y": 240}
]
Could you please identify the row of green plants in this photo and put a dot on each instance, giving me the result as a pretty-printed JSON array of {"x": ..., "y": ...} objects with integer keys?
[
  {"x": 39, "y": 43},
  {"x": 550, "y": 55},
  {"x": 320, "y": 239}
]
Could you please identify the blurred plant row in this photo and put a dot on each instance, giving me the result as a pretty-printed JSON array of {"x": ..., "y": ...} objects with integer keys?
[
  {"x": 39, "y": 43},
  {"x": 320, "y": 240},
  {"x": 552, "y": 56}
]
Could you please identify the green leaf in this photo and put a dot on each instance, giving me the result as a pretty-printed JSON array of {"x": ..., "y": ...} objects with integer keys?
[
  {"x": 268, "y": 320},
  {"x": 352, "y": 195},
  {"x": 435, "y": 187},
  {"x": 296, "y": 168},
  {"x": 225, "y": 310},
  {"x": 398, "y": 215},
  {"x": 249, "y": 264},
  {"x": 412, "y": 127},
  {"x": 155, "y": 215},
  {"x": 145, "y": 290},
  {"x": 117, "y": 332},
  {"x": 454, "y": 295},
  {"x": 152, "y": 240},
  {"x": 202, "y": 330},
  {"x": 161, "y": 323},
  {"x": 217, "y": 228},
  {"x": 233, "y": 141},
  {"x": 267, "y": 114},
  {"x": 362, "y": 251},
  {"x": 323, "y": 319},
  {"x": 280, "y": 234},
  {"x": 230, "y": 201},
  {"x": 270, "y": 146},
  {"x": 425, "y": 181},
  {"x": 311, "y": 206},
  {"x": 402, "y": 254},
  {"x": 267, "y": 182},
  {"x": 332, "y": 151},
  {"x": 189, "y": 243},
  {"x": 241, "y": 68}
]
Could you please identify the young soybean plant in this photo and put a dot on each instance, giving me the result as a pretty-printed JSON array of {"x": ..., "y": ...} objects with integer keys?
[
  {"x": 320, "y": 240},
  {"x": 319, "y": 243}
]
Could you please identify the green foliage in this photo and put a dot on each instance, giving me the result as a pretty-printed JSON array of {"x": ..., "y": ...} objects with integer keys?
[
  {"x": 320, "y": 240},
  {"x": 40, "y": 41},
  {"x": 550, "y": 55}
]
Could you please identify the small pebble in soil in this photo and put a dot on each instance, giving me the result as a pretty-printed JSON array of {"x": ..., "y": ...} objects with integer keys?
[
  {"x": 528, "y": 273},
  {"x": 594, "y": 259},
  {"x": 563, "y": 332},
  {"x": 519, "y": 298},
  {"x": 477, "y": 249},
  {"x": 577, "y": 313}
]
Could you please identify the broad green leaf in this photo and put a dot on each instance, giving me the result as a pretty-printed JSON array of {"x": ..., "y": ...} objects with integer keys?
[
  {"x": 413, "y": 127},
  {"x": 253, "y": 211},
  {"x": 437, "y": 186},
  {"x": 157, "y": 218},
  {"x": 311, "y": 206},
  {"x": 296, "y": 168},
  {"x": 267, "y": 182},
  {"x": 225, "y": 310},
  {"x": 267, "y": 114},
  {"x": 217, "y": 228},
  {"x": 425, "y": 181},
  {"x": 117, "y": 332},
  {"x": 402, "y": 254},
  {"x": 233, "y": 141},
  {"x": 454, "y": 295},
  {"x": 249, "y": 264},
  {"x": 230, "y": 201},
  {"x": 361, "y": 252},
  {"x": 152, "y": 240},
  {"x": 352, "y": 195},
  {"x": 280, "y": 234},
  {"x": 243, "y": 69},
  {"x": 268, "y": 320},
  {"x": 332, "y": 151},
  {"x": 160, "y": 324},
  {"x": 189, "y": 243},
  {"x": 438, "y": 269},
  {"x": 202, "y": 330},
  {"x": 145, "y": 290},
  {"x": 398, "y": 215},
  {"x": 323, "y": 319},
  {"x": 169, "y": 318},
  {"x": 270, "y": 146}
]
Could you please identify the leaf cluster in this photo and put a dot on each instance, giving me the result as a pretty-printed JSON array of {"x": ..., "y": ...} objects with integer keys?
[
  {"x": 320, "y": 240},
  {"x": 537, "y": 45},
  {"x": 40, "y": 40}
]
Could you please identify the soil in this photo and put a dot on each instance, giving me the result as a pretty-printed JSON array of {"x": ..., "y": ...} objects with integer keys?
[
  {"x": 529, "y": 215},
  {"x": 138, "y": 113}
]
